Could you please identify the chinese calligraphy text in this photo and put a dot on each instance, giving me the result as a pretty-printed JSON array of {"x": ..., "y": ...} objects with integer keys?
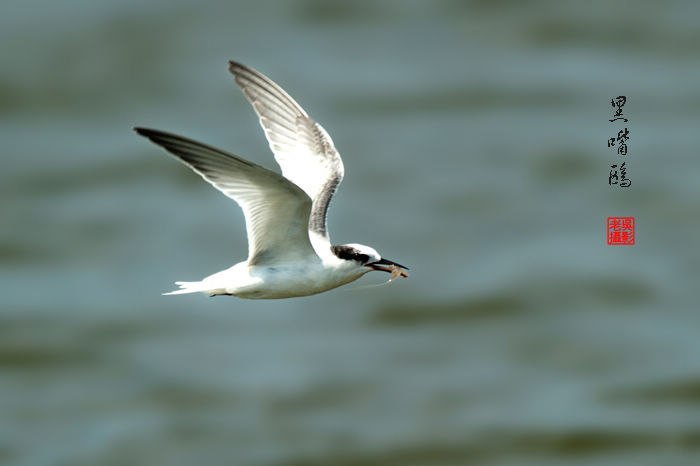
[{"x": 618, "y": 172}]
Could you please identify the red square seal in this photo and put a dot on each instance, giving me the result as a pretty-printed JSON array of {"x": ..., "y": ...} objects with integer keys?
[{"x": 620, "y": 230}]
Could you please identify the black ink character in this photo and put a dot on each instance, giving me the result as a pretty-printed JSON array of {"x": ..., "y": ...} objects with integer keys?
[
  {"x": 622, "y": 137},
  {"x": 621, "y": 178},
  {"x": 618, "y": 102}
]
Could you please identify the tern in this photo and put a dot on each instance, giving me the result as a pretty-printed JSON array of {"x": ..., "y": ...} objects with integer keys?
[{"x": 289, "y": 249}]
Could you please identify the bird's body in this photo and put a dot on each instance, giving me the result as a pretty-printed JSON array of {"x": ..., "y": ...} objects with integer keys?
[
  {"x": 290, "y": 253},
  {"x": 287, "y": 280}
]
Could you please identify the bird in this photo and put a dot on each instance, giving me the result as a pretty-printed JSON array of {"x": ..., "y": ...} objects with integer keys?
[{"x": 289, "y": 248}]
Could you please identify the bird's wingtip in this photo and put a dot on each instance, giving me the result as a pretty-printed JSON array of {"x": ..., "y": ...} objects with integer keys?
[
  {"x": 147, "y": 132},
  {"x": 236, "y": 68}
]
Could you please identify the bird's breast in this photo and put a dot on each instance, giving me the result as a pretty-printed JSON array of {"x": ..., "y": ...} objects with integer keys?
[{"x": 291, "y": 280}]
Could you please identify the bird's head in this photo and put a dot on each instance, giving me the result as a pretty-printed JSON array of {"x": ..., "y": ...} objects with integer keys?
[{"x": 366, "y": 256}]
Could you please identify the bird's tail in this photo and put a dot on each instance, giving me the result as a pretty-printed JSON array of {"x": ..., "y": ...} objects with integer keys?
[{"x": 190, "y": 287}]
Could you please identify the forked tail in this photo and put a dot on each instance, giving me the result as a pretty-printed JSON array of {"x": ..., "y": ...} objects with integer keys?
[{"x": 190, "y": 287}]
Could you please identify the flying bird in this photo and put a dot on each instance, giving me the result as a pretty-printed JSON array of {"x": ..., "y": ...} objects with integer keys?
[{"x": 289, "y": 249}]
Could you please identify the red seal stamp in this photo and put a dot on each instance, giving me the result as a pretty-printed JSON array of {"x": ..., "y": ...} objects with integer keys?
[{"x": 620, "y": 230}]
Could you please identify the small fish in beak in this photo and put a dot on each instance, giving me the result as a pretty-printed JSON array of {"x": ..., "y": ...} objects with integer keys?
[{"x": 396, "y": 270}]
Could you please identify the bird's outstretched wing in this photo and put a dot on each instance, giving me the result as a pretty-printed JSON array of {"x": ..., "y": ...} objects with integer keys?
[
  {"x": 276, "y": 210},
  {"x": 302, "y": 148}
]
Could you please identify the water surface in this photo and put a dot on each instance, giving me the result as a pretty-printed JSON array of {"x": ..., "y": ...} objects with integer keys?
[{"x": 474, "y": 140}]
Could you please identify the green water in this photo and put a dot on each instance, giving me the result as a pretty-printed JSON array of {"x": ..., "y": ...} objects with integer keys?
[{"x": 474, "y": 140}]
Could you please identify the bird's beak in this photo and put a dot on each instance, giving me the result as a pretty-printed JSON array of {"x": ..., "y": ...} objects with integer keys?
[{"x": 393, "y": 268}]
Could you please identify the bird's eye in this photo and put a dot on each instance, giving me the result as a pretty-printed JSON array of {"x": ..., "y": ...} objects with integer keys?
[{"x": 350, "y": 253}]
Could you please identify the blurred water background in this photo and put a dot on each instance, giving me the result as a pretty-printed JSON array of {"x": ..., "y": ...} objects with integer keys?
[{"x": 474, "y": 139}]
